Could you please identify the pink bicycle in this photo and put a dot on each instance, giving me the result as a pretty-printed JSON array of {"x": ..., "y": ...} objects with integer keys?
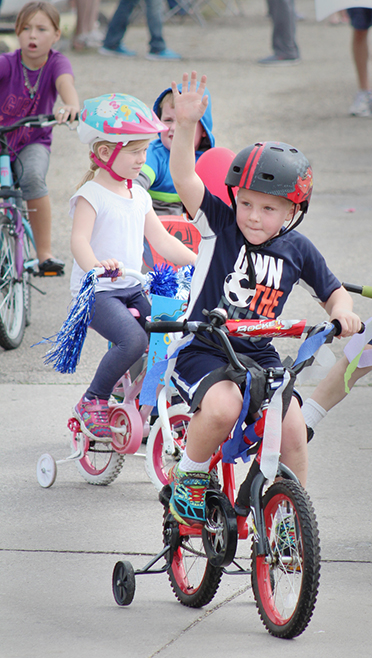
[{"x": 100, "y": 461}]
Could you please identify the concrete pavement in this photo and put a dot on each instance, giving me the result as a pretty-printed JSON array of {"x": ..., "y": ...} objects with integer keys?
[{"x": 58, "y": 546}]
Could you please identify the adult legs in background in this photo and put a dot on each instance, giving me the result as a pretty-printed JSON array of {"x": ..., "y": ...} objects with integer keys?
[
  {"x": 361, "y": 21},
  {"x": 154, "y": 16},
  {"x": 283, "y": 16},
  {"x": 118, "y": 24},
  {"x": 86, "y": 36}
]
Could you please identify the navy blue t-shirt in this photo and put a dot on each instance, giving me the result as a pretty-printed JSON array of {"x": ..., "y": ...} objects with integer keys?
[{"x": 221, "y": 279}]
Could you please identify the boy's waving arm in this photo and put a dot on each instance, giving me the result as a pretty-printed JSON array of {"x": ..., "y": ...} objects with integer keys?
[{"x": 190, "y": 106}]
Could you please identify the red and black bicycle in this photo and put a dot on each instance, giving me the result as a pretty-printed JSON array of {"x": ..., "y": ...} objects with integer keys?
[{"x": 285, "y": 558}]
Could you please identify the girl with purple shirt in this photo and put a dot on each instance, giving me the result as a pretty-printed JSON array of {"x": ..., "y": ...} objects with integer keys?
[{"x": 30, "y": 80}]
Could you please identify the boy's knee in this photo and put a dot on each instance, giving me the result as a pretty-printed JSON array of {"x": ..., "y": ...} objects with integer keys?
[{"x": 223, "y": 403}]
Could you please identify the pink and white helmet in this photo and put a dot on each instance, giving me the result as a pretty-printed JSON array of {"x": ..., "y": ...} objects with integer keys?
[{"x": 117, "y": 118}]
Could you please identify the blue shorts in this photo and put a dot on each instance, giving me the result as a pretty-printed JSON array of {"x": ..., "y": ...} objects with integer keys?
[
  {"x": 31, "y": 167},
  {"x": 194, "y": 363},
  {"x": 360, "y": 18}
]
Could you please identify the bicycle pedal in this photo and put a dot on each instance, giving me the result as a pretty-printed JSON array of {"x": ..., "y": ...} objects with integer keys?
[
  {"x": 165, "y": 495},
  {"x": 42, "y": 274}
]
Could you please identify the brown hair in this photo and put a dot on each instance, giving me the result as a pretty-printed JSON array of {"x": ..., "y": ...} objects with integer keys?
[
  {"x": 30, "y": 9},
  {"x": 111, "y": 145}
]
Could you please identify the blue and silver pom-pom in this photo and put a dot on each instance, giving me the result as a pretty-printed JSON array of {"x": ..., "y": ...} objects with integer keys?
[
  {"x": 66, "y": 351},
  {"x": 184, "y": 276},
  {"x": 163, "y": 281}
]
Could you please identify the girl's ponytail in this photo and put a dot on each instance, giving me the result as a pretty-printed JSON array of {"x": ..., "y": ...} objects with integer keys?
[
  {"x": 89, "y": 174},
  {"x": 93, "y": 166}
]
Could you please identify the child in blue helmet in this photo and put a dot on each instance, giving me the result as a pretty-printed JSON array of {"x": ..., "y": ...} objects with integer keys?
[
  {"x": 110, "y": 219},
  {"x": 249, "y": 259},
  {"x": 155, "y": 175}
]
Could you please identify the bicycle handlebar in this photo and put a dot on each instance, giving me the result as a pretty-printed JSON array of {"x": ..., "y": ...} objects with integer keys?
[
  {"x": 278, "y": 328},
  {"x": 365, "y": 291},
  {"x": 266, "y": 329},
  {"x": 102, "y": 272},
  {"x": 34, "y": 121}
]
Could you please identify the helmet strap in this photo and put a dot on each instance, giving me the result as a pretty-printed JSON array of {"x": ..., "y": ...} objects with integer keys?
[
  {"x": 108, "y": 165},
  {"x": 232, "y": 198}
]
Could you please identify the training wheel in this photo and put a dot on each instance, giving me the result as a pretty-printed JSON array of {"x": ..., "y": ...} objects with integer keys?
[
  {"x": 46, "y": 470},
  {"x": 123, "y": 583}
]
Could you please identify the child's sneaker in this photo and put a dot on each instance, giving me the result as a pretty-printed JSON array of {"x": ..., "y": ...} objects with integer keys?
[
  {"x": 187, "y": 502},
  {"x": 93, "y": 417}
]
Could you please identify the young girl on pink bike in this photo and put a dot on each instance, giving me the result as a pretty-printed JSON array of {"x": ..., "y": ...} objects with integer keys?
[{"x": 110, "y": 220}]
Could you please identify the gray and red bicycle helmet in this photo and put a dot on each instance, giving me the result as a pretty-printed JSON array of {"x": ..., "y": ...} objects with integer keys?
[
  {"x": 117, "y": 118},
  {"x": 272, "y": 168}
]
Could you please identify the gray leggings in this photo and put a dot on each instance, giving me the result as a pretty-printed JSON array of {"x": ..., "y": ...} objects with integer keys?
[{"x": 114, "y": 321}]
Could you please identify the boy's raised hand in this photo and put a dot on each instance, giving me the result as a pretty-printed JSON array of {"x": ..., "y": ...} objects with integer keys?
[{"x": 190, "y": 105}]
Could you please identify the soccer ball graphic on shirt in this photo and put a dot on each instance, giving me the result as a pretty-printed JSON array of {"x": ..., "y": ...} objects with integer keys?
[{"x": 237, "y": 289}]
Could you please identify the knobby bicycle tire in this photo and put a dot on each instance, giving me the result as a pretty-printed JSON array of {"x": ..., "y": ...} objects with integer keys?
[
  {"x": 285, "y": 586},
  {"x": 193, "y": 579},
  {"x": 12, "y": 309},
  {"x": 101, "y": 465},
  {"x": 27, "y": 278}
]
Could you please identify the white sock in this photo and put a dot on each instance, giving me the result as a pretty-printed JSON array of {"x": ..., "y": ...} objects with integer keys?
[
  {"x": 312, "y": 412},
  {"x": 186, "y": 464}
]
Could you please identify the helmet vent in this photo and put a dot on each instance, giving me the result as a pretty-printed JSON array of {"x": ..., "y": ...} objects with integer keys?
[
  {"x": 276, "y": 148},
  {"x": 266, "y": 176},
  {"x": 236, "y": 169}
]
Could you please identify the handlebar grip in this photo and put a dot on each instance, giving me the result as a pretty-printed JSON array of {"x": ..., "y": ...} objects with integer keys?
[
  {"x": 337, "y": 326},
  {"x": 164, "y": 326},
  {"x": 351, "y": 287},
  {"x": 365, "y": 291},
  {"x": 338, "y": 329}
]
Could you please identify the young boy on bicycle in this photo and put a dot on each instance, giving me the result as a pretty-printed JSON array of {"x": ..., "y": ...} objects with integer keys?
[
  {"x": 249, "y": 259},
  {"x": 155, "y": 176}
]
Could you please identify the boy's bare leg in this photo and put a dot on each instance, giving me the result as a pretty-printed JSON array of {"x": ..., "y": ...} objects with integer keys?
[
  {"x": 40, "y": 215},
  {"x": 331, "y": 390},
  {"x": 210, "y": 426},
  {"x": 294, "y": 442}
]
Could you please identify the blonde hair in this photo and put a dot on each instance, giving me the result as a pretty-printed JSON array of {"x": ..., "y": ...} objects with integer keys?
[
  {"x": 167, "y": 98},
  {"x": 30, "y": 9},
  {"x": 110, "y": 145}
]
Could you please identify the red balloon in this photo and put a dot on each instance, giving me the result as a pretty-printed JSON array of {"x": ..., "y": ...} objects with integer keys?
[{"x": 212, "y": 167}]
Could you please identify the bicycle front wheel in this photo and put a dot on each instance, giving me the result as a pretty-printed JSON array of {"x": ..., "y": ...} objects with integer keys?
[
  {"x": 158, "y": 463},
  {"x": 285, "y": 583},
  {"x": 12, "y": 310},
  {"x": 27, "y": 276},
  {"x": 194, "y": 580}
]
